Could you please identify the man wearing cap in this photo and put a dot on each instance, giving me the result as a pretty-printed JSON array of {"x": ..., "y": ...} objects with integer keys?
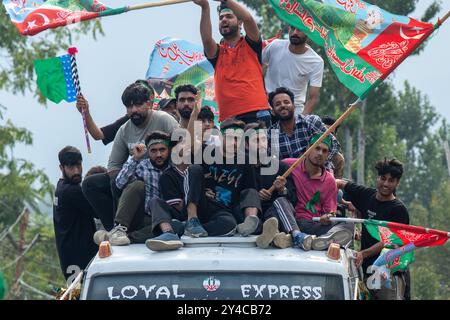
[
  {"x": 237, "y": 62},
  {"x": 317, "y": 197},
  {"x": 169, "y": 105},
  {"x": 73, "y": 216},
  {"x": 139, "y": 180}
]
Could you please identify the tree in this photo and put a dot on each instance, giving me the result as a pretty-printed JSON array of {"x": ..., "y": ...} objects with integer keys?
[
  {"x": 19, "y": 52},
  {"x": 395, "y": 124},
  {"x": 22, "y": 185}
]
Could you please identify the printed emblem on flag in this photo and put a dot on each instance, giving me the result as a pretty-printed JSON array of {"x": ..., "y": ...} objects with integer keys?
[{"x": 385, "y": 234}]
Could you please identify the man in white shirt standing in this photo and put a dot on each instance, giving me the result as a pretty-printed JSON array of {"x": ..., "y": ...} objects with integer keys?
[{"x": 294, "y": 65}]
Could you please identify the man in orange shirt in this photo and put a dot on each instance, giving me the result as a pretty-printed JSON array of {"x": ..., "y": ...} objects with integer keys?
[{"x": 238, "y": 76}]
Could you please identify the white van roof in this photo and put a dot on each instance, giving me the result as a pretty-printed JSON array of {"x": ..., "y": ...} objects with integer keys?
[{"x": 217, "y": 254}]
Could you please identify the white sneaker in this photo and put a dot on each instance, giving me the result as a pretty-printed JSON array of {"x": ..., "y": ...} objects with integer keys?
[
  {"x": 270, "y": 230},
  {"x": 248, "y": 226},
  {"x": 283, "y": 240},
  {"x": 307, "y": 242},
  {"x": 118, "y": 236},
  {"x": 341, "y": 236},
  {"x": 99, "y": 236}
]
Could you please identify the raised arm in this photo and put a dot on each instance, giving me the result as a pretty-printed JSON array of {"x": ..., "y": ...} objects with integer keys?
[
  {"x": 209, "y": 44},
  {"x": 83, "y": 104},
  {"x": 250, "y": 26},
  {"x": 196, "y": 142}
]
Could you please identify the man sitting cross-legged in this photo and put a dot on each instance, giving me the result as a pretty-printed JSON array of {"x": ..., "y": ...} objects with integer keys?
[
  {"x": 183, "y": 198},
  {"x": 139, "y": 179},
  {"x": 268, "y": 172},
  {"x": 316, "y": 193}
]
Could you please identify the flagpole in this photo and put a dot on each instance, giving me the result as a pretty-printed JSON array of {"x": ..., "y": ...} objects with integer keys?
[
  {"x": 407, "y": 227},
  {"x": 338, "y": 122},
  {"x": 358, "y": 102},
  {"x": 155, "y": 4},
  {"x": 72, "y": 52}
]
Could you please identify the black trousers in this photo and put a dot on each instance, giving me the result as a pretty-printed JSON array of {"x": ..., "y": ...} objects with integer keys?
[
  {"x": 102, "y": 193},
  {"x": 216, "y": 223},
  {"x": 249, "y": 198}
]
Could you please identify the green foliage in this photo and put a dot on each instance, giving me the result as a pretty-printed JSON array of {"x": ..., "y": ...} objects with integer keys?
[
  {"x": 19, "y": 52},
  {"x": 396, "y": 124},
  {"x": 21, "y": 184},
  {"x": 432, "y": 267}
]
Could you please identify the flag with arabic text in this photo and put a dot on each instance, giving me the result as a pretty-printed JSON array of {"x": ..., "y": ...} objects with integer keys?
[
  {"x": 362, "y": 42},
  {"x": 34, "y": 16},
  {"x": 174, "y": 62}
]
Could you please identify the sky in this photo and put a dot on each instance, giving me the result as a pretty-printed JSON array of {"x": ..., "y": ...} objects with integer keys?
[{"x": 108, "y": 65}]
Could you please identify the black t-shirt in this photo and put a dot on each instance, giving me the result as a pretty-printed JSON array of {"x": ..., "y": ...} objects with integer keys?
[
  {"x": 73, "y": 219},
  {"x": 109, "y": 131},
  {"x": 171, "y": 185},
  {"x": 266, "y": 182},
  {"x": 364, "y": 199},
  {"x": 256, "y": 46}
]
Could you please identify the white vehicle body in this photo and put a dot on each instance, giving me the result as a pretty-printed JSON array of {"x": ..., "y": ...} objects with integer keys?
[{"x": 220, "y": 268}]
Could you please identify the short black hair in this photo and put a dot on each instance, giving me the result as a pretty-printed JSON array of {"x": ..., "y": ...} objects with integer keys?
[
  {"x": 95, "y": 170},
  {"x": 329, "y": 121},
  {"x": 69, "y": 156},
  {"x": 157, "y": 135},
  {"x": 137, "y": 93},
  {"x": 392, "y": 166},
  {"x": 185, "y": 88},
  {"x": 205, "y": 113},
  {"x": 232, "y": 123},
  {"x": 279, "y": 91}
]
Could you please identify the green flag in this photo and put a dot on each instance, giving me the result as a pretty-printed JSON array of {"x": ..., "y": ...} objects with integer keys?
[
  {"x": 54, "y": 79},
  {"x": 362, "y": 42}
]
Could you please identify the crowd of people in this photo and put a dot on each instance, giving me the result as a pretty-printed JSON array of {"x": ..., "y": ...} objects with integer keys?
[{"x": 172, "y": 172}]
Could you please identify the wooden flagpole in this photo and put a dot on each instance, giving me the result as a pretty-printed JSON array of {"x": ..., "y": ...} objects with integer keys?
[
  {"x": 353, "y": 106},
  {"x": 155, "y": 4}
]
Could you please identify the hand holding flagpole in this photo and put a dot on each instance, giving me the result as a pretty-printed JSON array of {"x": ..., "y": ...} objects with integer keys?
[{"x": 72, "y": 51}]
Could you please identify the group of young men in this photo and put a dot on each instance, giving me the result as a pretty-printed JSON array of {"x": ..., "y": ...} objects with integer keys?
[{"x": 171, "y": 172}]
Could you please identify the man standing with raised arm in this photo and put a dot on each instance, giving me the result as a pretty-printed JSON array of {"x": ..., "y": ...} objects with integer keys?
[{"x": 238, "y": 76}]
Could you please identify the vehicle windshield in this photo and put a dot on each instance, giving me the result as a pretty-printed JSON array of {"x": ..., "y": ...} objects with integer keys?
[{"x": 209, "y": 285}]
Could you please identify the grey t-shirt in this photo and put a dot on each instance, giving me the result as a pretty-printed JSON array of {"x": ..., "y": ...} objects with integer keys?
[{"x": 129, "y": 135}]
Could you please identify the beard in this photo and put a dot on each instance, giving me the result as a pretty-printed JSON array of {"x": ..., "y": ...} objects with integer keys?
[
  {"x": 158, "y": 164},
  {"x": 185, "y": 113},
  {"x": 75, "y": 179},
  {"x": 232, "y": 30},
  {"x": 138, "y": 118},
  {"x": 296, "y": 40},
  {"x": 289, "y": 116}
]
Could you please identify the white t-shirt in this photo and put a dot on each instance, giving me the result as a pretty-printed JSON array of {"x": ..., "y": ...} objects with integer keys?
[{"x": 290, "y": 70}]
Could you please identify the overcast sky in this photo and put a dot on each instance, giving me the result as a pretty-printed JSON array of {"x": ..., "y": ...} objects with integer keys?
[{"x": 108, "y": 65}]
